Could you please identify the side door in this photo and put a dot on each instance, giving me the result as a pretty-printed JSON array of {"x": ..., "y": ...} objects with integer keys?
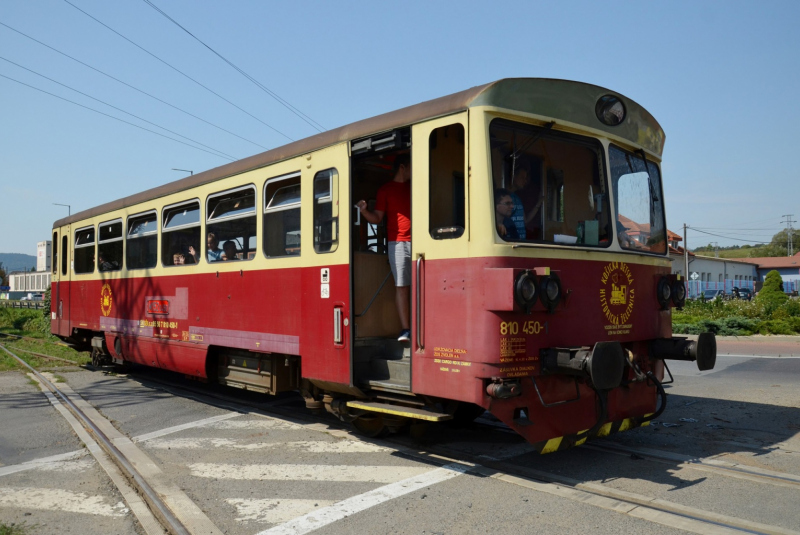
[
  {"x": 439, "y": 243},
  {"x": 324, "y": 335},
  {"x": 62, "y": 297}
]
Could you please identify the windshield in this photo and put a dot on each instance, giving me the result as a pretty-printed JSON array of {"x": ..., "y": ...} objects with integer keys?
[
  {"x": 548, "y": 187},
  {"x": 639, "y": 205}
]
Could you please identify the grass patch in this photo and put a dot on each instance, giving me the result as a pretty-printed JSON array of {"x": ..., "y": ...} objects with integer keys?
[
  {"x": 22, "y": 528},
  {"x": 43, "y": 345}
]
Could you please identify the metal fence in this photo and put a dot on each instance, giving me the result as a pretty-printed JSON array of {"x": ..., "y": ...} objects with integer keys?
[
  {"x": 696, "y": 288},
  {"x": 21, "y": 304}
]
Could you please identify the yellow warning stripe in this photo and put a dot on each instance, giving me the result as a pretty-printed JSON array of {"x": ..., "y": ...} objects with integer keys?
[{"x": 568, "y": 441}]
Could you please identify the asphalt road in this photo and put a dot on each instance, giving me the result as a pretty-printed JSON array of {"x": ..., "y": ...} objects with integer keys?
[{"x": 250, "y": 472}]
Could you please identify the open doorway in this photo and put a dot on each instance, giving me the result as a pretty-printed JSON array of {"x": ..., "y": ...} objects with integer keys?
[{"x": 380, "y": 360}]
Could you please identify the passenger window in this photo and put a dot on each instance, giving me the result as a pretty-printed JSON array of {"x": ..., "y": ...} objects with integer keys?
[
  {"x": 84, "y": 250},
  {"x": 282, "y": 216},
  {"x": 180, "y": 234},
  {"x": 64, "y": 255},
  {"x": 446, "y": 182},
  {"x": 141, "y": 248},
  {"x": 326, "y": 211},
  {"x": 231, "y": 222},
  {"x": 109, "y": 246}
]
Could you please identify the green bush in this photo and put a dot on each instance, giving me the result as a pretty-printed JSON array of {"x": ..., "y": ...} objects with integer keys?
[
  {"x": 23, "y": 319},
  {"x": 771, "y": 294},
  {"x": 775, "y": 327},
  {"x": 772, "y": 312}
]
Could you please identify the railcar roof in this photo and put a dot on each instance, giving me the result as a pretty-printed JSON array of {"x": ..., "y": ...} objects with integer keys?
[{"x": 559, "y": 99}]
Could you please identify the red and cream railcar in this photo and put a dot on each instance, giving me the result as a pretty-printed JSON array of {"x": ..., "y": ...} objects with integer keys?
[{"x": 541, "y": 291}]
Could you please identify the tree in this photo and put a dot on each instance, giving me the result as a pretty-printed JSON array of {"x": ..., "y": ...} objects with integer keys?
[
  {"x": 771, "y": 294},
  {"x": 3, "y": 275}
]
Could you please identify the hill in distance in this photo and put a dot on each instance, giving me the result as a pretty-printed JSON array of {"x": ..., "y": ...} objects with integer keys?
[{"x": 17, "y": 261}]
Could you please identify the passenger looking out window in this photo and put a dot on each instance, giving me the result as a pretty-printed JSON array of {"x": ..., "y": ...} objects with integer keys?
[
  {"x": 230, "y": 250},
  {"x": 214, "y": 253},
  {"x": 504, "y": 209}
]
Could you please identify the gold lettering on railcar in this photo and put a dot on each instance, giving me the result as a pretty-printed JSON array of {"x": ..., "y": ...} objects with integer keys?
[
  {"x": 449, "y": 352},
  {"x": 617, "y": 296},
  {"x": 106, "y": 300},
  {"x": 158, "y": 324}
]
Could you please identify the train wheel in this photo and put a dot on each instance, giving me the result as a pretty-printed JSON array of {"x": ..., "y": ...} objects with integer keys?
[
  {"x": 96, "y": 357},
  {"x": 371, "y": 425}
]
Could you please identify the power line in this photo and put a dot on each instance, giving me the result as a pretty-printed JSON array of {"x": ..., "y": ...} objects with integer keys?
[
  {"x": 179, "y": 71},
  {"x": 740, "y": 229},
  {"x": 314, "y": 124},
  {"x": 132, "y": 87},
  {"x": 726, "y": 237},
  {"x": 112, "y": 117},
  {"x": 118, "y": 109}
]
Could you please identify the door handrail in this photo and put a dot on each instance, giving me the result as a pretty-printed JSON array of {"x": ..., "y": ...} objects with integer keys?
[{"x": 420, "y": 337}]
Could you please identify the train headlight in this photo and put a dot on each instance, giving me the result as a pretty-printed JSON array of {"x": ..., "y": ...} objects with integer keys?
[
  {"x": 610, "y": 110},
  {"x": 550, "y": 291},
  {"x": 525, "y": 291},
  {"x": 679, "y": 293},
  {"x": 664, "y": 292}
]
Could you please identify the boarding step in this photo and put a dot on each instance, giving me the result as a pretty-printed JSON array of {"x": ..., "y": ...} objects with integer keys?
[
  {"x": 400, "y": 410},
  {"x": 396, "y": 370},
  {"x": 387, "y": 385}
]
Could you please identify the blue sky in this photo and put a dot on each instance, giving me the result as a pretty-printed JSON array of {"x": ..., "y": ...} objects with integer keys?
[{"x": 720, "y": 77}]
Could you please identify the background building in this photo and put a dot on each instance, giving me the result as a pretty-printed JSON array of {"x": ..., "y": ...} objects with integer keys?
[{"x": 22, "y": 283}]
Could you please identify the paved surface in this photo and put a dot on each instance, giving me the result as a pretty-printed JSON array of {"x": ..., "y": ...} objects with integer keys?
[{"x": 251, "y": 473}]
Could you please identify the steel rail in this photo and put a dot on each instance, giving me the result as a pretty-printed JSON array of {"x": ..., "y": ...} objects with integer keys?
[
  {"x": 162, "y": 512},
  {"x": 715, "y": 466}
]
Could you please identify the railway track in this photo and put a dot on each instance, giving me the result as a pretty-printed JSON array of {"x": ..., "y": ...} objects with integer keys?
[
  {"x": 640, "y": 506},
  {"x": 505, "y": 469}
]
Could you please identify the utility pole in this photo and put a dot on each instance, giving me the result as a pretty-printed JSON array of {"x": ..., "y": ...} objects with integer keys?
[
  {"x": 685, "y": 253},
  {"x": 716, "y": 249},
  {"x": 789, "y": 222}
]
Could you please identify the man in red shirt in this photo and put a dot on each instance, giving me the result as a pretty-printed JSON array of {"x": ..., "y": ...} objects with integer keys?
[{"x": 394, "y": 201}]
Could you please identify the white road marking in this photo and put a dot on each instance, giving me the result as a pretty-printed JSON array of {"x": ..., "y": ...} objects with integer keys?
[
  {"x": 68, "y": 466},
  {"x": 327, "y": 515},
  {"x": 39, "y": 463},
  {"x": 59, "y": 500},
  {"x": 269, "y": 423},
  {"x": 341, "y": 446},
  {"x": 190, "y": 425},
  {"x": 307, "y": 472},
  {"x": 275, "y": 511}
]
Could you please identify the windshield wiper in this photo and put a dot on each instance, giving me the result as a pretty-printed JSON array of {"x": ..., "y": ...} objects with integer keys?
[{"x": 647, "y": 170}]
